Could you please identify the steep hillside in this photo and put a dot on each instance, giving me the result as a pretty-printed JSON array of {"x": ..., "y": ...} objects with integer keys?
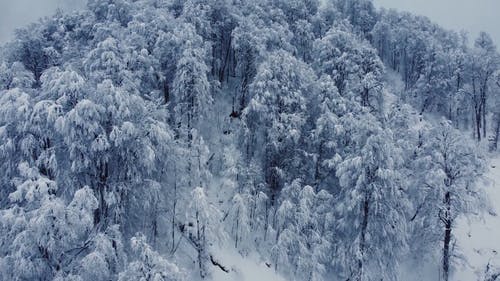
[{"x": 211, "y": 139}]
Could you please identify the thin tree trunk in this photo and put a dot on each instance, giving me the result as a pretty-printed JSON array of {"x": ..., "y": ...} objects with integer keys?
[
  {"x": 224, "y": 65},
  {"x": 362, "y": 240},
  {"x": 483, "y": 101},
  {"x": 497, "y": 133},
  {"x": 478, "y": 126},
  {"x": 447, "y": 237},
  {"x": 166, "y": 92},
  {"x": 318, "y": 166},
  {"x": 174, "y": 209},
  {"x": 237, "y": 229},
  {"x": 200, "y": 246},
  {"x": 102, "y": 211},
  {"x": 484, "y": 98}
]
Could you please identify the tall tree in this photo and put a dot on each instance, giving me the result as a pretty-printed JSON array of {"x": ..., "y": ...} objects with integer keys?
[
  {"x": 453, "y": 163},
  {"x": 484, "y": 62},
  {"x": 191, "y": 89},
  {"x": 202, "y": 227},
  {"x": 370, "y": 209},
  {"x": 277, "y": 113}
]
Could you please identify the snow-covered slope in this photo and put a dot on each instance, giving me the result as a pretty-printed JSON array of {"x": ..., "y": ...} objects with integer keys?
[
  {"x": 243, "y": 268},
  {"x": 479, "y": 237}
]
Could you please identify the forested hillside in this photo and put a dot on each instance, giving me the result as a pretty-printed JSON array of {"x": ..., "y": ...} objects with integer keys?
[{"x": 332, "y": 140}]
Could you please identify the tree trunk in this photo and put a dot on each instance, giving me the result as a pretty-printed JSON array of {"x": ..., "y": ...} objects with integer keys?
[
  {"x": 447, "y": 237},
  {"x": 484, "y": 96},
  {"x": 100, "y": 217},
  {"x": 226, "y": 59},
  {"x": 237, "y": 229},
  {"x": 496, "y": 133},
  {"x": 266, "y": 224},
  {"x": 166, "y": 92},
  {"x": 477, "y": 109},
  {"x": 174, "y": 209},
  {"x": 362, "y": 240},
  {"x": 364, "y": 99},
  {"x": 318, "y": 167},
  {"x": 478, "y": 123},
  {"x": 484, "y": 116},
  {"x": 200, "y": 231}
]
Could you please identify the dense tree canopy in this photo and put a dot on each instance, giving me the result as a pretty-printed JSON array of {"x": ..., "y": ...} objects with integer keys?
[{"x": 333, "y": 140}]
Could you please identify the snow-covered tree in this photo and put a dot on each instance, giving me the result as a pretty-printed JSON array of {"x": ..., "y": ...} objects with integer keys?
[
  {"x": 325, "y": 135},
  {"x": 300, "y": 249},
  {"x": 15, "y": 76},
  {"x": 352, "y": 63},
  {"x": 202, "y": 227},
  {"x": 249, "y": 45},
  {"x": 149, "y": 266},
  {"x": 42, "y": 235},
  {"x": 370, "y": 209},
  {"x": 484, "y": 61},
  {"x": 451, "y": 162},
  {"x": 277, "y": 113},
  {"x": 66, "y": 86},
  {"x": 107, "y": 61},
  {"x": 239, "y": 220},
  {"x": 191, "y": 89},
  {"x": 138, "y": 137}
]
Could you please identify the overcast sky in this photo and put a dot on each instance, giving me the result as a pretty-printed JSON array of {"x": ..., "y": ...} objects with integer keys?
[
  {"x": 470, "y": 15},
  {"x": 18, "y": 13}
]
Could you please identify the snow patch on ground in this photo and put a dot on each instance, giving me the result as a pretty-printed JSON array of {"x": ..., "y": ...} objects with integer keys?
[
  {"x": 479, "y": 237},
  {"x": 395, "y": 83},
  {"x": 249, "y": 268}
]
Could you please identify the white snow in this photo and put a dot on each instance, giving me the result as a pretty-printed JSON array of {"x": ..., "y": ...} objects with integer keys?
[
  {"x": 249, "y": 268},
  {"x": 479, "y": 237}
]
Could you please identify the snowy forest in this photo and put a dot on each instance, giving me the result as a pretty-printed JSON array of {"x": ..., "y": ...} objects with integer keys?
[{"x": 159, "y": 140}]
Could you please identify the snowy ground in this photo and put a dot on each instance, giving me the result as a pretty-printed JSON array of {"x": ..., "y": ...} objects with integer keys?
[
  {"x": 479, "y": 238},
  {"x": 243, "y": 269},
  {"x": 478, "y": 241}
]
